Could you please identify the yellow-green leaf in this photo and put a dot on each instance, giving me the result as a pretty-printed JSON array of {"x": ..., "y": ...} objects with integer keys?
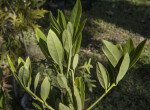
[
  {"x": 11, "y": 64},
  {"x": 129, "y": 46},
  {"x": 45, "y": 88},
  {"x": 137, "y": 52},
  {"x": 78, "y": 98},
  {"x": 76, "y": 13},
  {"x": 112, "y": 52},
  {"x": 75, "y": 61},
  {"x": 63, "y": 107},
  {"x": 102, "y": 75},
  {"x": 37, "y": 77},
  {"x": 123, "y": 68},
  {"x": 67, "y": 40},
  {"x": 55, "y": 47}
]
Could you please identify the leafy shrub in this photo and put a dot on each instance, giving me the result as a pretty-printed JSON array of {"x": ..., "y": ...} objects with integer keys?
[{"x": 61, "y": 47}]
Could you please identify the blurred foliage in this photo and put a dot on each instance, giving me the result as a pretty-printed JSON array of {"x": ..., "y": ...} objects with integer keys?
[{"x": 16, "y": 15}]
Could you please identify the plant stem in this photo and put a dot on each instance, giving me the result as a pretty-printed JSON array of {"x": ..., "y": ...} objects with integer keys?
[
  {"x": 24, "y": 43},
  {"x": 101, "y": 96},
  {"x": 37, "y": 98}
]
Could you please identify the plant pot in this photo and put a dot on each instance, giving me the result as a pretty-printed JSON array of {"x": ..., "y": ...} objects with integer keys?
[
  {"x": 26, "y": 102},
  {"x": 54, "y": 6}
]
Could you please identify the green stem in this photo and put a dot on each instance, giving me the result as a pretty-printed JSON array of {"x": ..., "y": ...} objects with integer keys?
[
  {"x": 37, "y": 98},
  {"x": 101, "y": 96},
  {"x": 69, "y": 63}
]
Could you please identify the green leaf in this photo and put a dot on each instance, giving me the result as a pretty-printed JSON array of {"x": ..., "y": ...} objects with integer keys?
[
  {"x": 76, "y": 45},
  {"x": 129, "y": 46},
  {"x": 55, "y": 31},
  {"x": 45, "y": 88},
  {"x": 63, "y": 107},
  {"x": 53, "y": 21},
  {"x": 119, "y": 48},
  {"x": 2, "y": 99},
  {"x": 123, "y": 68},
  {"x": 55, "y": 47},
  {"x": 112, "y": 52},
  {"x": 79, "y": 31},
  {"x": 78, "y": 98},
  {"x": 36, "y": 106},
  {"x": 75, "y": 61},
  {"x": 20, "y": 62},
  {"x": 11, "y": 64},
  {"x": 37, "y": 77},
  {"x": 70, "y": 28},
  {"x": 76, "y": 13},
  {"x": 24, "y": 75},
  {"x": 102, "y": 75},
  {"x": 62, "y": 81},
  {"x": 67, "y": 40},
  {"x": 81, "y": 88},
  {"x": 42, "y": 40},
  {"x": 136, "y": 54},
  {"x": 40, "y": 35},
  {"x": 27, "y": 63},
  {"x": 61, "y": 19}
]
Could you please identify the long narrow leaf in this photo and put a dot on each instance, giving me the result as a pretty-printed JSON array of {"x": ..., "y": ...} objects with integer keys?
[
  {"x": 102, "y": 76},
  {"x": 76, "y": 13},
  {"x": 79, "y": 31},
  {"x": 78, "y": 98},
  {"x": 67, "y": 40},
  {"x": 136, "y": 54},
  {"x": 45, "y": 89},
  {"x": 53, "y": 21},
  {"x": 55, "y": 47},
  {"x": 61, "y": 19},
  {"x": 11, "y": 64},
  {"x": 76, "y": 45},
  {"x": 129, "y": 46},
  {"x": 42, "y": 43},
  {"x": 112, "y": 52},
  {"x": 123, "y": 68}
]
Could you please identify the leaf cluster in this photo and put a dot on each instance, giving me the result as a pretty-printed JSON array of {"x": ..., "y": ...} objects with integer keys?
[
  {"x": 16, "y": 15},
  {"x": 61, "y": 47}
]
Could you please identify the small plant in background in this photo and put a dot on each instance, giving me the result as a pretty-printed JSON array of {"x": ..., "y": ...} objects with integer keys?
[
  {"x": 17, "y": 16},
  {"x": 61, "y": 47}
]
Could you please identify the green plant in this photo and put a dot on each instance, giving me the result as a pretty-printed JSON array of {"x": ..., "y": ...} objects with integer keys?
[
  {"x": 61, "y": 48},
  {"x": 17, "y": 16}
]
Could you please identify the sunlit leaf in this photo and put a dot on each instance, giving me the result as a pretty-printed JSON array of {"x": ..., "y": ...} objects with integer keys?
[
  {"x": 136, "y": 54},
  {"x": 75, "y": 61},
  {"x": 112, "y": 52},
  {"x": 11, "y": 64},
  {"x": 55, "y": 47},
  {"x": 63, "y": 107},
  {"x": 45, "y": 88},
  {"x": 129, "y": 46},
  {"x": 36, "y": 106},
  {"x": 76, "y": 13},
  {"x": 102, "y": 75},
  {"x": 123, "y": 68},
  {"x": 67, "y": 40},
  {"x": 37, "y": 77},
  {"x": 61, "y": 19}
]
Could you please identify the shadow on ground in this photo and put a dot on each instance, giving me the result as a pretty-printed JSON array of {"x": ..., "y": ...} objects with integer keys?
[
  {"x": 128, "y": 16},
  {"x": 132, "y": 17}
]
